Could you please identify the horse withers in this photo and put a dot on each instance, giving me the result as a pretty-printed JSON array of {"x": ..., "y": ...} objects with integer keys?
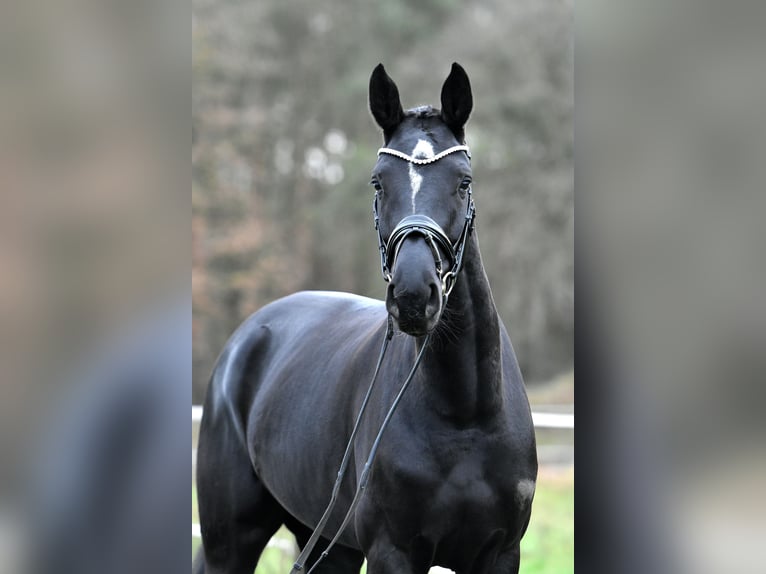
[{"x": 454, "y": 477}]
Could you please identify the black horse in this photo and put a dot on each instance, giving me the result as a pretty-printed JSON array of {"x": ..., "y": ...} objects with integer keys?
[{"x": 454, "y": 478}]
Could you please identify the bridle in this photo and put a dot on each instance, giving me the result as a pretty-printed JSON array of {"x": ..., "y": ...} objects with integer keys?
[
  {"x": 434, "y": 235},
  {"x": 427, "y": 227}
]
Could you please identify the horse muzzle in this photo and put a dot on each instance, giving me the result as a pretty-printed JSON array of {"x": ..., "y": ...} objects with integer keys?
[{"x": 414, "y": 298}]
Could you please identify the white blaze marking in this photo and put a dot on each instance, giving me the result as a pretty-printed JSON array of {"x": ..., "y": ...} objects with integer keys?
[
  {"x": 422, "y": 150},
  {"x": 415, "y": 180},
  {"x": 525, "y": 490}
]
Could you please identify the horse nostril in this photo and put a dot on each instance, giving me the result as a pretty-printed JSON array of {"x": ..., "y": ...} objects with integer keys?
[
  {"x": 391, "y": 304},
  {"x": 433, "y": 300}
]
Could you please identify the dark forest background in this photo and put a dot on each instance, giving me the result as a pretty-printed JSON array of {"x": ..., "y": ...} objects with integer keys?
[{"x": 284, "y": 144}]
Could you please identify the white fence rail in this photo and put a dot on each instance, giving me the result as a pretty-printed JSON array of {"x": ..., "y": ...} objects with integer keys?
[{"x": 541, "y": 420}]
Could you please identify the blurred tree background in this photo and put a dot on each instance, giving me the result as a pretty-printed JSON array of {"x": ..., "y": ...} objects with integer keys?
[{"x": 283, "y": 146}]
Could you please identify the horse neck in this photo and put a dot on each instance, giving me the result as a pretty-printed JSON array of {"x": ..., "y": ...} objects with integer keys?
[{"x": 462, "y": 369}]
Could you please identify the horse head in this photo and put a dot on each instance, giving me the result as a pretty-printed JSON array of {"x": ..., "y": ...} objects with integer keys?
[{"x": 423, "y": 206}]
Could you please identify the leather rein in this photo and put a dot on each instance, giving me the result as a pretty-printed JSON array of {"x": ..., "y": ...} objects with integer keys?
[{"x": 434, "y": 235}]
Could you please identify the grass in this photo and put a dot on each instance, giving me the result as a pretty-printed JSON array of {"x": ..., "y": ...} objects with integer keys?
[{"x": 547, "y": 547}]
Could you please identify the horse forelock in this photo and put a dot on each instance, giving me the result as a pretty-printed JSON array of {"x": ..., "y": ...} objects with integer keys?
[
  {"x": 426, "y": 118},
  {"x": 423, "y": 112},
  {"x": 422, "y": 124}
]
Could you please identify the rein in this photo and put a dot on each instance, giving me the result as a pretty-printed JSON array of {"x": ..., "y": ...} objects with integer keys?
[
  {"x": 434, "y": 235},
  {"x": 309, "y": 547}
]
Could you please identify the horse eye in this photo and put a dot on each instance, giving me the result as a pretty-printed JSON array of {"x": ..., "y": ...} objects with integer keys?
[
  {"x": 376, "y": 184},
  {"x": 465, "y": 185}
]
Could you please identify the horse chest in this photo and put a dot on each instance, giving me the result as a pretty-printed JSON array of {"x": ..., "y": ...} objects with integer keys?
[
  {"x": 447, "y": 500},
  {"x": 458, "y": 487}
]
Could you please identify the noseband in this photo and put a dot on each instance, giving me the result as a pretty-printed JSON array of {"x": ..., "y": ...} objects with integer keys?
[{"x": 428, "y": 228}]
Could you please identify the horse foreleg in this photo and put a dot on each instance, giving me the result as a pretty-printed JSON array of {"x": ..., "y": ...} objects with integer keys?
[
  {"x": 507, "y": 563},
  {"x": 237, "y": 514},
  {"x": 384, "y": 558},
  {"x": 341, "y": 560}
]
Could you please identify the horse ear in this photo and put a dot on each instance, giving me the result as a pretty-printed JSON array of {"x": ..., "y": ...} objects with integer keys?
[
  {"x": 385, "y": 105},
  {"x": 457, "y": 100}
]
